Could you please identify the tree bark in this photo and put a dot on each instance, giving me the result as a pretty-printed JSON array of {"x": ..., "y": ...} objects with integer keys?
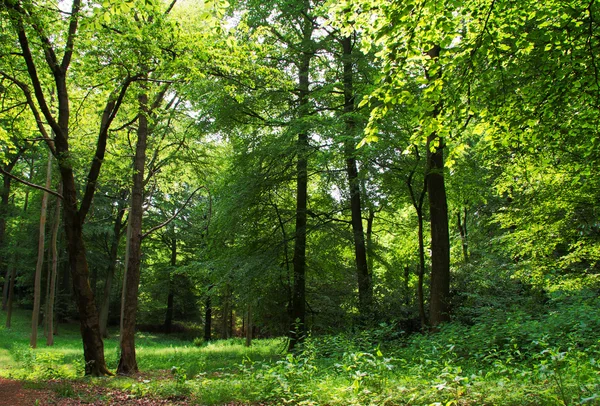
[
  {"x": 53, "y": 275},
  {"x": 11, "y": 292},
  {"x": 249, "y": 326},
  {"x": 439, "y": 306},
  {"x": 37, "y": 289},
  {"x": 365, "y": 284},
  {"x": 208, "y": 316},
  {"x": 439, "y": 309},
  {"x": 298, "y": 311},
  {"x": 171, "y": 295},
  {"x": 128, "y": 363},
  {"x": 462, "y": 230},
  {"x": 4, "y": 194},
  {"x": 112, "y": 266}
]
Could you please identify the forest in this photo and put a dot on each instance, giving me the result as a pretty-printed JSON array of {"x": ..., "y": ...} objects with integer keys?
[{"x": 312, "y": 202}]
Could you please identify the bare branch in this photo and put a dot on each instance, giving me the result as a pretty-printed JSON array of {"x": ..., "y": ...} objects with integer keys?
[
  {"x": 158, "y": 227},
  {"x": 33, "y": 185}
]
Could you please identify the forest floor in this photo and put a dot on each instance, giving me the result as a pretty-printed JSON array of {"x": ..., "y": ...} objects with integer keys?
[{"x": 506, "y": 358}]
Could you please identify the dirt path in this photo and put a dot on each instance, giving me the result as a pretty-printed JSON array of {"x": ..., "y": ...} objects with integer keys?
[
  {"x": 12, "y": 393},
  {"x": 15, "y": 393}
]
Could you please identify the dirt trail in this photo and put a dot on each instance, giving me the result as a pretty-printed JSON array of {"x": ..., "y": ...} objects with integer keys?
[{"x": 12, "y": 393}]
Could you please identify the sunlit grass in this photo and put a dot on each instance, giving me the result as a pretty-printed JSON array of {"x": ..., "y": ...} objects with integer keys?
[{"x": 516, "y": 360}]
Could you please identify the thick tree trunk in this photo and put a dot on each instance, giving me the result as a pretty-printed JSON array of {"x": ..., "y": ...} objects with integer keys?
[
  {"x": 128, "y": 363},
  {"x": 53, "y": 275},
  {"x": 37, "y": 287},
  {"x": 112, "y": 265},
  {"x": 439, "y": 306},
  {"x": 298, "y": 311},
  {"x": 439, "y": 309},
  {"x": 365, "y": 285}
]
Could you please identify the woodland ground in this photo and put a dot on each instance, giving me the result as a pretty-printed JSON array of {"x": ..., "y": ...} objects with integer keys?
[{"x": 506, "y": 358}]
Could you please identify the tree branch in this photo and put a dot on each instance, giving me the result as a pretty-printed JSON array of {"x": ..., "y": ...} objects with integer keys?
[
  {"x": 158, "y": 227},
  {"x": 110, "y": 111},
  {"x": 33, "y": 185}
]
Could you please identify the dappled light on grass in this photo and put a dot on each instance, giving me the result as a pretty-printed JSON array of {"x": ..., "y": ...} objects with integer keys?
[{"x": 506, "y": 358}]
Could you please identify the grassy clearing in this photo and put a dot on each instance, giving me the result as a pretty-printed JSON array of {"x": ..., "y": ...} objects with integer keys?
[{"x": 507, "y": 358}]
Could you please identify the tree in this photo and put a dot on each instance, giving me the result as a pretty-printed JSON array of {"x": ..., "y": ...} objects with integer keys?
[{"x": 29, "y": 22}]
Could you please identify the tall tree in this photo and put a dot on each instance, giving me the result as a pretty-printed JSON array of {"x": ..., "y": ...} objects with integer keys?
[
  {"x": 28, "y": 21},
  {"x": 365, "y": 284}
]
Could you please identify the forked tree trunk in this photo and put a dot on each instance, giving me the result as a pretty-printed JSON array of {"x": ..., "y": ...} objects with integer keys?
[
  {"x": 53, "y": 275},
  {"x": 128, "y": 362},
  {"x": 37, "y": 287}
]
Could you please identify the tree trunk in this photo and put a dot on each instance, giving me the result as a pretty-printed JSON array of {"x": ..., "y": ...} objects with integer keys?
[
  {"x": 11, "y": 292},
  {"x": 128, "y": 363},
  {"x": 208, "y": 316},
  {"x": 171, "y": 296},
  {"x": 53, "y": 275},
  {"x": 421, "y": 275},
  {"x": 37, "y": 289},
  {"x": 4, "y": 194},
  {"x": 462, "y": 230},
  {"x": 439, "y": 306},
  {"x": 365, "y": 285},
  {"x": 249, "y": 326},
  {"x": 298, "y": 311},
  {"x": 226, "y": 313},
  {"x": 439, "y": 310},
  {"x": 112, "y": 265}
]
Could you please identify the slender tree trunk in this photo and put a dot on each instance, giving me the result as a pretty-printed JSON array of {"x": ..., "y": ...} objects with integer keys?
[
  {"x": 124, "y": 284},
  {"x": 13, "y": 272},
  {"x": 249, "y": 326},
  {"x": 37, "y": 289},
  {"x": 462, "y": 230},
  {"x": 171, "y": 296},
  {"x": 226, "y": 313},
  {"x": 128, "y": 363},
  {"x": 369, "y": 237},
  {"x": 53, "y": 274},
  {"x": 421, "y": 270},
  {"x": 208, "y": 317},
  {"x": 439, "y": 306},
  {"x": 112, "y": 266},
  {"x": 11, "y": 293},
  {"x": 298, "y": 311},
  {"x": 365, "y": 285},
  {"x": 4, "y": 194}
]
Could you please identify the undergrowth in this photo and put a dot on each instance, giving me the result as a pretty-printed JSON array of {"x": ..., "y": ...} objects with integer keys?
[{"x": 502, "y": 358}]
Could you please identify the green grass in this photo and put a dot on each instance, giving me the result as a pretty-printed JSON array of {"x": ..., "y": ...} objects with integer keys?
[{"x": 506, "y": 358}]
